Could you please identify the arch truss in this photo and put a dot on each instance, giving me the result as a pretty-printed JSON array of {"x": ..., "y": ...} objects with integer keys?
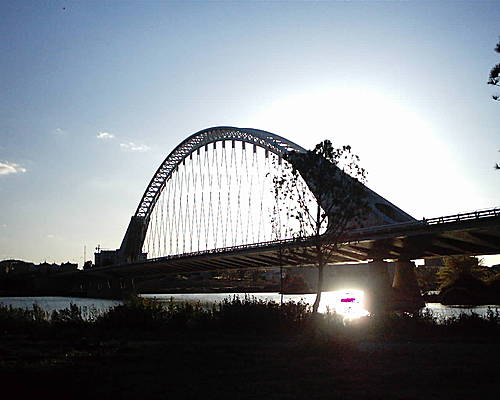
[
  {"x": 215, "y": 190},
  {"x": 266, "y": 140}
]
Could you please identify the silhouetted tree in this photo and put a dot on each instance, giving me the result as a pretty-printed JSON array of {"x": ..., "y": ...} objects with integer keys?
[
  {"x": 427, "y": 278},
  {"x": 459, "y": 268},
  {"x": 338, "y": 204},
  {"x": 88, "y": 265},
  {"x": 494, "y": 80}
]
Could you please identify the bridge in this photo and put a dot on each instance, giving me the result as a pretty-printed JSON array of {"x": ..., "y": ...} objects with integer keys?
[
  {"x": 210, "y": 206},
  {"x": 475, "y": 233}
]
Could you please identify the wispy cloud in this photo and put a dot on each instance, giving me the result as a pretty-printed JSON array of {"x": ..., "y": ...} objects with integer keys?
[
  {"x": 105, "y": 135},
  {"x": 131, "y": 146},
  {"x": 51, "y": 236},
  {"x": 59, "y": 131},
  {"x": 126, "y": 146},
  {"x": 7, "y": 168}
]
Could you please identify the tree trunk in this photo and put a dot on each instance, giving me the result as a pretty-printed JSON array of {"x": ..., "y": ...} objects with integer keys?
[
  {"x": 319, "y": 255},
  {"x": 319, "y": 288}
]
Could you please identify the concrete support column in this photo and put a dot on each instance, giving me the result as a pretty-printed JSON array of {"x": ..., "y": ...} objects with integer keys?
[
  {"x": 406, "y": 286},
  {"x": 379, "y": 294},
  {"x": 405, "y": 278},
  {"x": 129, "y": 289}
]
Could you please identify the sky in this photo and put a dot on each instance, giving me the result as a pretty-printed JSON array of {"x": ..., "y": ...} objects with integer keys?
[{"x": 94, "y": 95}]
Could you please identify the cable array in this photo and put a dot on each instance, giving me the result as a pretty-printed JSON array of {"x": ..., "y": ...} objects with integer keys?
[{"x": 220, "y": 195}]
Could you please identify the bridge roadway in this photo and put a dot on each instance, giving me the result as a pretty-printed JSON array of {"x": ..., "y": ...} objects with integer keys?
[{"x": 476, "y": 233}]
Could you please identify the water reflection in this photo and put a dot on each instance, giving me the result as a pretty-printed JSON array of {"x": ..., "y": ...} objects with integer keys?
[
  {"x": 349, "y": 303},
  {"x": 330, "y": 301}
]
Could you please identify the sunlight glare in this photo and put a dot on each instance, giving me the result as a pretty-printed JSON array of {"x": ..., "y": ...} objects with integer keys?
[
  {"x": 383, "y": 130},
  {"x": 348, "y": 303}
]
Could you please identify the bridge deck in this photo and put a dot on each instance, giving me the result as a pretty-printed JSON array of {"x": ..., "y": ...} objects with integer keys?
[{"x": 475, "y": 233}]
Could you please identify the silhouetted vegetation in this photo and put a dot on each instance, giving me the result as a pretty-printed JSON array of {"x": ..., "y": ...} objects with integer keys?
[
  {"x": 338, "y": 203},
  {"x": 494, "y": 79},
  {"x": 427, "y": 278},
  {"x": 242, "y": 348},
  {"x": 459, "y": 268},
  {"x": 241, "y": 316},
  {"x": 463, "y": 280}
]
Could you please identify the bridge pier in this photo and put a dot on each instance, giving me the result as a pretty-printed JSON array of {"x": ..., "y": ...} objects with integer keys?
[
  {"x": 105, "y": 288},
  {"x": 378, "y": 295},
  {"x": 405, "y": 286}
]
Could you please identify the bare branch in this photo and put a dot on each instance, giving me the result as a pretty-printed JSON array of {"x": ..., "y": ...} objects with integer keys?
[{"x": 335, "y": 178}]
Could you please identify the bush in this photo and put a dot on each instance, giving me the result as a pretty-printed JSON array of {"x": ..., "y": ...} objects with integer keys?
[
  {"x": 21, "y": 320},
  {"x": 146, "y": 318},
  {"x": 250, "y": 315}
]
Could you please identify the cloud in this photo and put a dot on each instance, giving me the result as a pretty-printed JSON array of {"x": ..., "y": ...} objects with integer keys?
[
  {"x": 131, "y": 146},
  {"x": 3, "y": 226},
  {"x": 7, "y": 168},
  {"x": 51, "y": 236},
  {"x": 59, "y": 131},
  {"x": 105, "y": 135}
]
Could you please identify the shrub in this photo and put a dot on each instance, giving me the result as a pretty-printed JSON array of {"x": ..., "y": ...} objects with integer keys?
[
  {"x": 241, "y": 316},
  {"x": 22, "y": 320}
]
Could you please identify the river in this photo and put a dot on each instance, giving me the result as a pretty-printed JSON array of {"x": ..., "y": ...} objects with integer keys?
[{"x": 344, "y": 302}]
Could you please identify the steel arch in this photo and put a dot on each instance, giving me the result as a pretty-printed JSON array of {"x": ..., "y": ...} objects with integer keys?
[
  {"x": 382, "y": 211},
  {"x": 269, "y": 141}
]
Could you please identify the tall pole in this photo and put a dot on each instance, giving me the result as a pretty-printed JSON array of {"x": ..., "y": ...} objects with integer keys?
[
  {"x": 281, "y": 284},
  {"x": 281, "y": 273}
]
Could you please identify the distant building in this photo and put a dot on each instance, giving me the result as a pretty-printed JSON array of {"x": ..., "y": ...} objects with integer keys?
[
  {"x": 112, "y": 257},
  {"x": 44, "y": 268},
  {"x": 67, "y": 267},
  {"x": 15, "y": 267}
]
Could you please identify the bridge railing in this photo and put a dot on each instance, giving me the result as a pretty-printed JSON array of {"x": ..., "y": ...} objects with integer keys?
[
  {"x": 492, "y": 212},
  {"x": 228, "y": 249}
]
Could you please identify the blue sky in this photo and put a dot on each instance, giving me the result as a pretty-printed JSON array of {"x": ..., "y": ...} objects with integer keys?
[{"x": 403, "y": 82}]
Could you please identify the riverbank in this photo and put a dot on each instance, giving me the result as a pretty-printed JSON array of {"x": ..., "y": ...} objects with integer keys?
[
  {"x": 244, "y": 349},
  {"x": 229, "y": 367}
]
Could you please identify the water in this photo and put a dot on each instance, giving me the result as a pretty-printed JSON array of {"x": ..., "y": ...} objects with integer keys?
[
  {"x": 54, "y": 303},
  {"x": 349, "y": 302},
  {"x": 443, "y": 311},
  {"x": 329, "y": 300}
]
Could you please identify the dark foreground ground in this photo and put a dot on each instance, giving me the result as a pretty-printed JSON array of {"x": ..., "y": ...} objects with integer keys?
[{"x": 221, "y": 367}]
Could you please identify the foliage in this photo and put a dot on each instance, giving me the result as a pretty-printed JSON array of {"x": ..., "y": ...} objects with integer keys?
[
  {"x": 335, "y": 178},
  {"x": 22, "y": 320},
  {"x": 427, "y": 278},
  {"x": 255, "y": 316},
  {"x": 69, "y": 316},
  {"x": 141, "y": 314},
  {"x": 464, "y": 281},
  {"x": 494, "y": 78},
  {"x": 239, "y": 317},
  {"x": 459, "y": 269}
]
